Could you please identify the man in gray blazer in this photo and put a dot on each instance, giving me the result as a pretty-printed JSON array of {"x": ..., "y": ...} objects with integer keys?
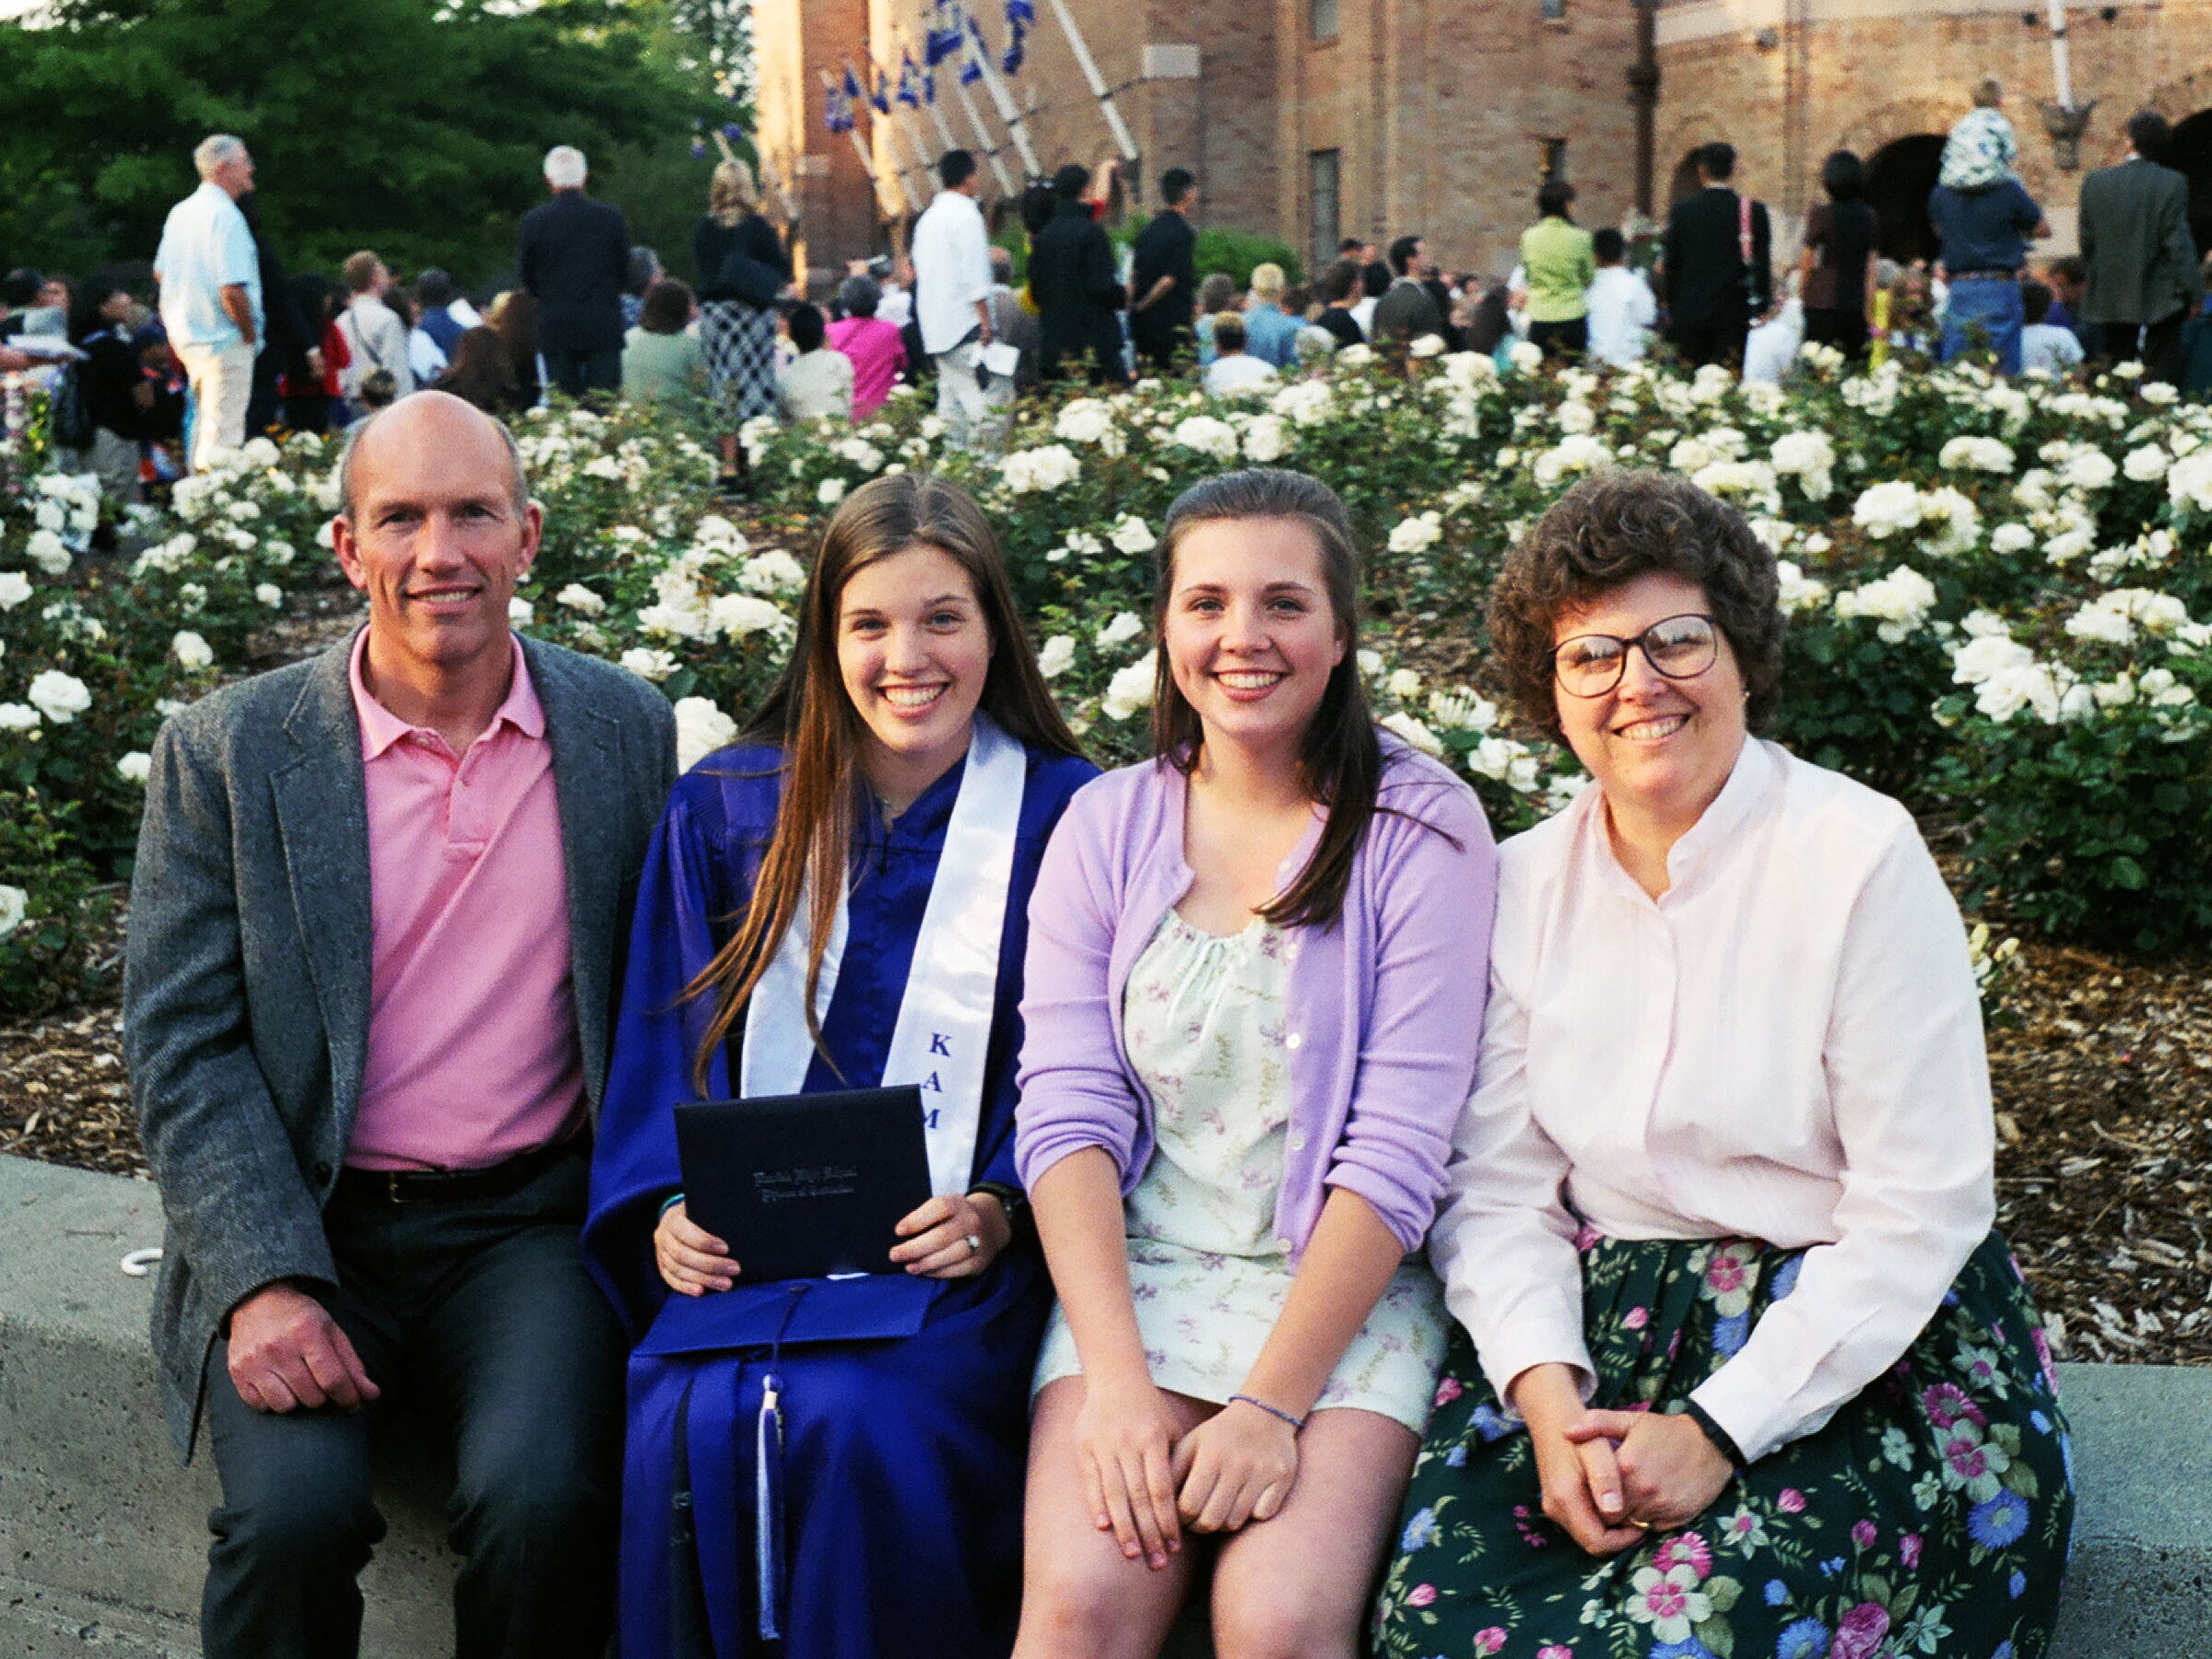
[
  {"x": 2141, "y": 257},
  {"x": 374, "y": 931}
]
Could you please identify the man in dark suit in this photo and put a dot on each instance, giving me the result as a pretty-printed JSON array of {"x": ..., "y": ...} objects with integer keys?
[
  {"x": 1072, "y": 279},
  {"x": 1163, "y": 278},
  {"x": 1406, "y": 311},
  {"x": 2142, "y": 277},
  {"x": 575, "y": 258},
  {"x": 368, "y": 993},
  {"x": 1712, "y": 291}
]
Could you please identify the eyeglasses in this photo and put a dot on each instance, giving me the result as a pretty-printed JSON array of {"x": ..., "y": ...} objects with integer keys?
[{"x": 1678, "y": 647}]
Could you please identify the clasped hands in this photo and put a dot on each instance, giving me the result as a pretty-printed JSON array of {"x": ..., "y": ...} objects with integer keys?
[
  {"x": 1613, "y": 1477},
  {"x": 935, "y": 1243},
  {"x": 1146, "y": 1478}
]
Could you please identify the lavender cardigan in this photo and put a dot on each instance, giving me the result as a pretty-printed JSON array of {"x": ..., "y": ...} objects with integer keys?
[{"x": 1384, "y": 1012}]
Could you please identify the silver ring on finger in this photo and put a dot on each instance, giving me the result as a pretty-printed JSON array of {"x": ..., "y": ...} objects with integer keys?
[{"x": 976, "y": 1244}]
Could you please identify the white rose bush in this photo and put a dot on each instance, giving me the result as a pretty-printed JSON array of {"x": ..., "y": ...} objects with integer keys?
[{"x": 1999, "y": 600}]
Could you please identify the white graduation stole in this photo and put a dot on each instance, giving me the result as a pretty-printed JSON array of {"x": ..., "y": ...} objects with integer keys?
[{"x": 942, "y": 1033}]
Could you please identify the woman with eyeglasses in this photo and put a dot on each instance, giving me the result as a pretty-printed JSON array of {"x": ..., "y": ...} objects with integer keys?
[{"x": 1742, "y": 1366}]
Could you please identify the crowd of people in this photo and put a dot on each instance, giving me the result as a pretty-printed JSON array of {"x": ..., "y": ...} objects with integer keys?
[{"x": 230, "y": 345}]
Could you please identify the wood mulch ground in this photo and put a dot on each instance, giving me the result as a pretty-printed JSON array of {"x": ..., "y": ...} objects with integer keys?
[{"x": 2104, "y": 1122}]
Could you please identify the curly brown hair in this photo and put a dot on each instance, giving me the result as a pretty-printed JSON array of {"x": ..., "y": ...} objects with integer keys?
[{"x": 1607, "y": 532}]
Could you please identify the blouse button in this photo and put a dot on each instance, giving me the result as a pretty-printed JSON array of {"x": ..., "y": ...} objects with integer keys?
[
  {"x": 1293, "y": 1041},
  {"x": 1283, "y": 1245},
  {"x": 1298, "y": 1142}
]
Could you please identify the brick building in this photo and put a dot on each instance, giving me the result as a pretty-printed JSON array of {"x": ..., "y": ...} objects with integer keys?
[{"x": 1316, "y": 119}]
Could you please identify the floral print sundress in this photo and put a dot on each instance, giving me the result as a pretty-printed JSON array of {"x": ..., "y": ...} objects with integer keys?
[
  {"x": 1930, "y": 1516},
  {"x": 1203, "y": 1020}
]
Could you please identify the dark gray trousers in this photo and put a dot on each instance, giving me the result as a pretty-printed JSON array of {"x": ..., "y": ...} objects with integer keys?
[{"x": 481, "y": 1319}]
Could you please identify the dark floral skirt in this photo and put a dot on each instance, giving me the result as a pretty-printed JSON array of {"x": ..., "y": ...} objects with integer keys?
[{"x": 1930, "y": 1515}]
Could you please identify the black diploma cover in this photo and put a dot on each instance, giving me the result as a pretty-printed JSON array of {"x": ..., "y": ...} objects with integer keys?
[{"x": 802, "y": 1186}]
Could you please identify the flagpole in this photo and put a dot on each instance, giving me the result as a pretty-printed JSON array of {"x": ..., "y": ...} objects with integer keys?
[
  {"x": 1098, "y": 82},
  {"x": 867, "y": 162},
  {"x": 982, "y": 137},
  {"x": 935, "y": 114},
  {"x": 1008, "y": 111}
]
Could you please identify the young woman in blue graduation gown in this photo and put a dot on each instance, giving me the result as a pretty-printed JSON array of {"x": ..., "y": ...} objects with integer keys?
[{"x": 787, "y": 939}]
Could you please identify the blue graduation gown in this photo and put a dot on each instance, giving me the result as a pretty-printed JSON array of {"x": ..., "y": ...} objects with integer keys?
[{"x": 905, "y": 1399}]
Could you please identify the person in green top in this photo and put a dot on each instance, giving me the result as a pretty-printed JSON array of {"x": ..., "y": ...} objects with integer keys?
[
  {"x": 660, "y": 360},
  {"x": 1558, "y": 266}
]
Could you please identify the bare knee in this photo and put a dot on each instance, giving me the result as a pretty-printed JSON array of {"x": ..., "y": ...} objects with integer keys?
[
  {"x": 1284, "y": 1616},
  {"x": 1071, "y": 1611}
]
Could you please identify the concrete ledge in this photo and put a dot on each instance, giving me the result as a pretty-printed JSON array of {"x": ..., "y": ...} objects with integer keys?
[
  {"x": 100, "y": 1528},
  {"x": 103, "y": 1538}
]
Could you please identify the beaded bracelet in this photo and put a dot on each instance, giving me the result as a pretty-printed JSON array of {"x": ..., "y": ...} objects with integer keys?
[{"x": 1276, "y": 1412}]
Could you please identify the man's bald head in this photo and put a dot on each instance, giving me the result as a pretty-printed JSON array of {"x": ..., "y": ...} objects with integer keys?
[{"x": 440, "y": 409}]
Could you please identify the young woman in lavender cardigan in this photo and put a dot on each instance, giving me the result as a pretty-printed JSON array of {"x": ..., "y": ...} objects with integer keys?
[{"x": 1253, "y": 987}]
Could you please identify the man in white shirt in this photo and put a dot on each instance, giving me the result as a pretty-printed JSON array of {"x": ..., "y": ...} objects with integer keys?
[
  {"x": 952, "y": 300},
  {"x": 209, "y": 277},
  {"x": 1622, "y": 312},
  {"x": 374, "y": 334},
  {"x": 1234, "y": 371}
]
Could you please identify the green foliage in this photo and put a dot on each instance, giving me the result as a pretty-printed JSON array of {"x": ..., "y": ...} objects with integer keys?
[
  {"x": 1236, "y": 251},
  {"x": 412, "y": 126},
  {"x": 50, "y": 913}
]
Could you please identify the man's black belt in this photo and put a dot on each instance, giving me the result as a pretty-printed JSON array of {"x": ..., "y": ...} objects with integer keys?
[
  {"x": 1989, "y": 276},
  {"x": 456, "y": 1186}
]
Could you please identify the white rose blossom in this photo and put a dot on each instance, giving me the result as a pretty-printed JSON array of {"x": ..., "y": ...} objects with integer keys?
[
  {"x": 14, "y": 904},
  {"x": 649, "y": 664},
  {"x": 1124, "y": 625},
  {"x": 1413, "y": 732},
  {"x": 135, "y": 767},
  {"x": 1057, "y": 657},
  {"x": 700, "y": 729},
  {"x": 60, "y": 697},
  {"x": 1132, "y": 535},
  {"x": 17, "y": 717},
  {"x": 1131, "y": 688}
]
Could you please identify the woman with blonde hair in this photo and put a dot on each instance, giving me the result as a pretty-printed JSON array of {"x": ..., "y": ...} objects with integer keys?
[
  {"x": 840, "y": 901},
  {"x": 743, "y": 271}
]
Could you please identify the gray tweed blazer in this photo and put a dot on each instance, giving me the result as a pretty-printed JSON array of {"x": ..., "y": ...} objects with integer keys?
[{"x": 246, "y": 976}]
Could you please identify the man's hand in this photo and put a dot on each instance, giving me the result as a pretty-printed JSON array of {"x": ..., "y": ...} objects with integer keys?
[{"x": 288, "y": 1353}]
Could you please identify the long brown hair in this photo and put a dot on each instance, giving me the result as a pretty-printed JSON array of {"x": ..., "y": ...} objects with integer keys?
[
  {"x": 1339, "y": 759},
  {"x": 809, "y": 717}
]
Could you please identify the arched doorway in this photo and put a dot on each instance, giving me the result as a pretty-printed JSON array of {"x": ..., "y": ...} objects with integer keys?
[
  {"x": 1899, "y": 178},
  {"x": 2191, "y": 155}
]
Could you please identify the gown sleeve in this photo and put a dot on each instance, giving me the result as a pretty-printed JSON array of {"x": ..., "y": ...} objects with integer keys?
[{"x": 673, "y": 937}]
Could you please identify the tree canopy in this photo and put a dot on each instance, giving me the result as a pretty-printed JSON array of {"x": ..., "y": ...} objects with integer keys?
[{"x": 415, "y": 127}]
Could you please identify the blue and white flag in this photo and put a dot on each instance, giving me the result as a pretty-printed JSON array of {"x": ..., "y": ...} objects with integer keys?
[
  {"x": 881, "y": 97},
  {"x": 910, "y": 81},
  {"x": 943, "y": 38},
  {"x": 1021, "y": 15}
]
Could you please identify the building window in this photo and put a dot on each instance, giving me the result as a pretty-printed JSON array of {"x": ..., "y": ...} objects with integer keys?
[
  {"x": 1554, "y": 11},
  {"x": 1555, "y": 160},
  {"x": 1322, "y": 171},
  {"x": 1321, "y": 16}
]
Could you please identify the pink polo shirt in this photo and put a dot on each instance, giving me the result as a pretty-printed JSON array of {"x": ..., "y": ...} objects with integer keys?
[{"x": 473, "y": 1052}]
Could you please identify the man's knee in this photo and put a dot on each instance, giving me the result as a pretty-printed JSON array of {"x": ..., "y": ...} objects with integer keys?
[
  {"x": 548, "y": 1507},
  {"x": 313, "y": 1520}
]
